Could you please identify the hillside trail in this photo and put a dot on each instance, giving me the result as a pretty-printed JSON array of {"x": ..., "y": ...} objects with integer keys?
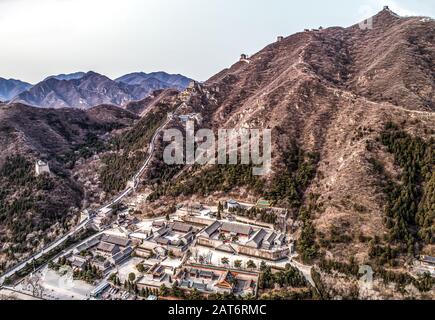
[
  {"x": 349, "y": 94},
  {"x": 276, "y": 82},
  {"x": 352, "y": 96}
]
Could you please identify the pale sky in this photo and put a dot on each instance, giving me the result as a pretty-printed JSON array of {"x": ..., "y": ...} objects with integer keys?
[{"x": 197, "y": 38}]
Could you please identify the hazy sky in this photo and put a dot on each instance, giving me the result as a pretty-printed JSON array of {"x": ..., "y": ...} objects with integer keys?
[{"x": 194, "y": 37}]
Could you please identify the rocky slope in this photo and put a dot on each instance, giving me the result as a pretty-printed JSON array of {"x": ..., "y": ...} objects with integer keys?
[
  {"x": 143, "y": 106},
  {"x": 11, "y": 88}
]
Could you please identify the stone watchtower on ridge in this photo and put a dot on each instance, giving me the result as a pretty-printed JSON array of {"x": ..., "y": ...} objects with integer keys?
[{"x": 41, "y": 167}]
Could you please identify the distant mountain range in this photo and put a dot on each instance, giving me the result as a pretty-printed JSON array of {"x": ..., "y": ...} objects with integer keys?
[
  {"x": 85, "y": 90},
  {"x": 70, "y": 76},
  {"x": 11, "y": 88},
  {"x": 166, "y": 81}
]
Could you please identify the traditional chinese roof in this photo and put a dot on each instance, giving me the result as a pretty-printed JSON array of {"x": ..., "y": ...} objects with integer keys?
[
  {"x": 181, "y": 227},
  {"x": 212, "y": 228},
  {"x": 108, "y": 247},
  {"x": 257, "y": 238},
  {"x": 122, "y": 242},
  {"x": 236, "y": 228},
  {"x": 227, "y": 280}
]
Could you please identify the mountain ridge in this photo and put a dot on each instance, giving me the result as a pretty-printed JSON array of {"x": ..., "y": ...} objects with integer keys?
[
  {"x": 85, "y": 90},
  {"x": 67, "y": 76},
  {"x": 173, "y": 81},
  {"x": 9, "y": 88}
]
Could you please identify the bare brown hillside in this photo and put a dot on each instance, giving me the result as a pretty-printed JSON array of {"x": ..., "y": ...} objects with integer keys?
[
  {"x": 140, "y": 107},
  {"x": 331, "y": 93},
  {"x": 36, "y": 209}
]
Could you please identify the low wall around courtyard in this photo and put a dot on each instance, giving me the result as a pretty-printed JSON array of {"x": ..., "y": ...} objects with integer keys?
[
  {"x": 272, "y": 255},
  {"x": 197, "y": 220}
]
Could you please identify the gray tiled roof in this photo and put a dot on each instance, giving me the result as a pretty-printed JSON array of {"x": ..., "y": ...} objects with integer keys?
[
  {"x": 212, "y": 228},
  {"x": 122, "y": 242},
  {"x": 270, "y": 237},
  {"x": 88, "y": 244},
  {"x": 257, "y": 238},
  {"x": 280, "y": 237},
  {"x": 236, "y": 228},
  {"x": 78, "y": 263},
  {"x": 181, "y": 227},
  {"x": 108, "y": 247},
  {"x": 122, "y": 254}
]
